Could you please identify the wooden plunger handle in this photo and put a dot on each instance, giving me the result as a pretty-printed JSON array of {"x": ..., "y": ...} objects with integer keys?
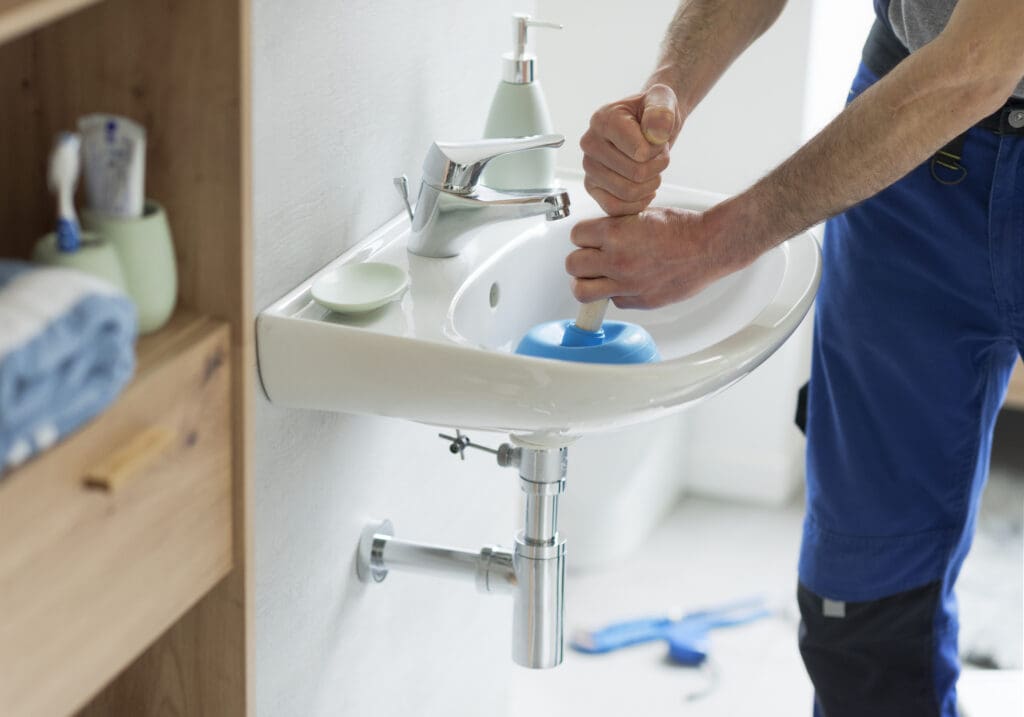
[{"x": 591, "y": 315}]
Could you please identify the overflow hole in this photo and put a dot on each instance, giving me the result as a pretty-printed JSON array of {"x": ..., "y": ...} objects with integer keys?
[{"x": 495, "y": 295}]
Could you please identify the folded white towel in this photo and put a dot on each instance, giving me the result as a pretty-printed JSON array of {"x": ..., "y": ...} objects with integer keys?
[{"x": 66, "y": 351}]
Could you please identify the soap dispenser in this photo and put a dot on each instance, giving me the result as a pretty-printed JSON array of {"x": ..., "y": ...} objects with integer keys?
[{"x": 518, "y": 110}]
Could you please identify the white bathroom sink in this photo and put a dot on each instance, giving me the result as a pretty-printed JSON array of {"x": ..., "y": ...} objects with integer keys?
[{"x": 443, "y": 354}]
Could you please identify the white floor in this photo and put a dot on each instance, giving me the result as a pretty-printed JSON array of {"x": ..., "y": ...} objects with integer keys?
[
  {"x": 710, "y": 552},
  {"x": 706, "y": 553},
  {"x": 991, "y": 585}
]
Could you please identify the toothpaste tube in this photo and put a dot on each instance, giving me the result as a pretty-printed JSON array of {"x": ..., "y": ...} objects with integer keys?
[{"x": 114, "y": 156}]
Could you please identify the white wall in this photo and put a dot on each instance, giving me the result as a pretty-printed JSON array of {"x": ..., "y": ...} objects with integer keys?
[
  {"x": 741, "y": 444},
  {"x": 744, "y": 444},
  {"x": 837, "y": 35},
  {"x": 748, "y": 123},
  {"x": 346, "y": 96}
]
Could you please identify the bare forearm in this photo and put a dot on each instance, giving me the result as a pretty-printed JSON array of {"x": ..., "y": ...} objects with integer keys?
[
  {"x": 931, "y": 97},
  {"x": 644, "y": 257},
  {"x": 704, "y": 38}
]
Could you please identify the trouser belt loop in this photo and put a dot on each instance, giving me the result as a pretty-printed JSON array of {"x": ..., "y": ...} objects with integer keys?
[
  {"x": 945, "y": 165},
  {"x": 882, "y": 52}
]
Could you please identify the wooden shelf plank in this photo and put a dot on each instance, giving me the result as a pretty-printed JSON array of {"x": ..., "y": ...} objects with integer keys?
[
  {"x": 88, "y": 578},
  {"x": 182, "y": 332},
  {"x": 20, "y": 17},
  {"x": 167, "y": 346}
]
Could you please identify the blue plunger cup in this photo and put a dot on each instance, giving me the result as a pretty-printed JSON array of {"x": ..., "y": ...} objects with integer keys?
[{"x": 590, "y": 339}]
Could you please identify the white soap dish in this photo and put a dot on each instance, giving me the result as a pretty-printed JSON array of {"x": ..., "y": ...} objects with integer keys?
[{"x": 358, "y": 288}]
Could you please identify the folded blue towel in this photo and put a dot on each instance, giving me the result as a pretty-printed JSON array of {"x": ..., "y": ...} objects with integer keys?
[{"x": 66, "y": 352}]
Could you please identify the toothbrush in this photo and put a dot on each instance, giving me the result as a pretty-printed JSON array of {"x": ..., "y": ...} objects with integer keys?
[{"x": 64, "y": 168}]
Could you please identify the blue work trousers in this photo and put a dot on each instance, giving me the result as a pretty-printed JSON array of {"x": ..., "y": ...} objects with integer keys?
[{"x": 919, "y": 321}]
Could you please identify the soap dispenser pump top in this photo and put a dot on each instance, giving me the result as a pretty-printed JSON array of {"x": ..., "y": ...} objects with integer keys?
[
  {"x": 519, "y": 64},
  {"x": 520, "y": 110}
]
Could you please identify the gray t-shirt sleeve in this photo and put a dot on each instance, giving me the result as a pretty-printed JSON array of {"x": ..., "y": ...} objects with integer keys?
[{"x": 918, "y": 22}]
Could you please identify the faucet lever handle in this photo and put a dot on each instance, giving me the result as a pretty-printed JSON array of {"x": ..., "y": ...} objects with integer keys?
[
  {"x": 456, "y": 166},
  {"x": 484, "y": 150},
  {"x": 402, "y": 187}
]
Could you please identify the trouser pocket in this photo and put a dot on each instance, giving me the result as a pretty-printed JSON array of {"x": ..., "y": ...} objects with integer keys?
[{"x": 872, "y": 658}]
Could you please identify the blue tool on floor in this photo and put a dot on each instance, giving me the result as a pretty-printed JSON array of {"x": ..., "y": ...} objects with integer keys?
[{"x": 687, "y": 637}]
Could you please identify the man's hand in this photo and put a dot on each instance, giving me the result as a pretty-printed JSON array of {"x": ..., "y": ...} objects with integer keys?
[
  {"x": 661, "y": 255},
  {"x": 626, "y": 149},
  {"x": 650, "y": 259}
]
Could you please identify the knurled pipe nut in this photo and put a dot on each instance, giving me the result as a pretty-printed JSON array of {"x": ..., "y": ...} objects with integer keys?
[
  {"x": 542, "y": 489},
  {"x": 539, "y": 552}
]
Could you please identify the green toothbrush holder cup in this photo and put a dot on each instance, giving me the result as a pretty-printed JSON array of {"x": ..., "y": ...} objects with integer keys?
[
  {"x": 146, "y": 253},
  {"x": 94, "y": 256}
]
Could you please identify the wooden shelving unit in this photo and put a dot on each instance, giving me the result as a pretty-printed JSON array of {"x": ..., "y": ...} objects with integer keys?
[
  {"x": 109, "y": 540},
  {"x": 19, "y": 17},
  {"x": 131, "y": 597}
]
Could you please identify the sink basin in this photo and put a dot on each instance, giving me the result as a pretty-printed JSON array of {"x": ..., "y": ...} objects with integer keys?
[{"x": 443, "y": 354}]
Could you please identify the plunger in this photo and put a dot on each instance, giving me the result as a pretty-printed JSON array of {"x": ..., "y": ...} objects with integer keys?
[{"x": 590, "y": 339}]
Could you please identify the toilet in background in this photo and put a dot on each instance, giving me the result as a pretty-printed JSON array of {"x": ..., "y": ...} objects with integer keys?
[
  {"x": 619, "y": 487},
  {"x": 739, "y": 445}
]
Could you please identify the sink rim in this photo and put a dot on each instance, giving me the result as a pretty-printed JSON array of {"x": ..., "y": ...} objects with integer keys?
[{"x": 493, "y": 374}]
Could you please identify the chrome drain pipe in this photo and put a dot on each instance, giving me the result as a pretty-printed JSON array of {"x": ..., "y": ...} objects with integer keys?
[
  {"x": 533, "y": 572},
  {"x": 538, "y": 616},
  {"x": 491, "y": 568}
]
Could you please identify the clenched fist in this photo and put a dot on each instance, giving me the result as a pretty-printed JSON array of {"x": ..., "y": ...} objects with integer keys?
[{"x": 626, "y": 148}]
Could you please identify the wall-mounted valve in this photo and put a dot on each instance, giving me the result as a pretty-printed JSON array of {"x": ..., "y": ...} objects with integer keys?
[
  {"x": 506, "y": 454},
  {"x": 533, "y": 571}
]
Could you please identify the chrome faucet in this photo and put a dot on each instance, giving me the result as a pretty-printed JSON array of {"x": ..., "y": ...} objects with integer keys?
[{"x": 452, "y": 202}]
